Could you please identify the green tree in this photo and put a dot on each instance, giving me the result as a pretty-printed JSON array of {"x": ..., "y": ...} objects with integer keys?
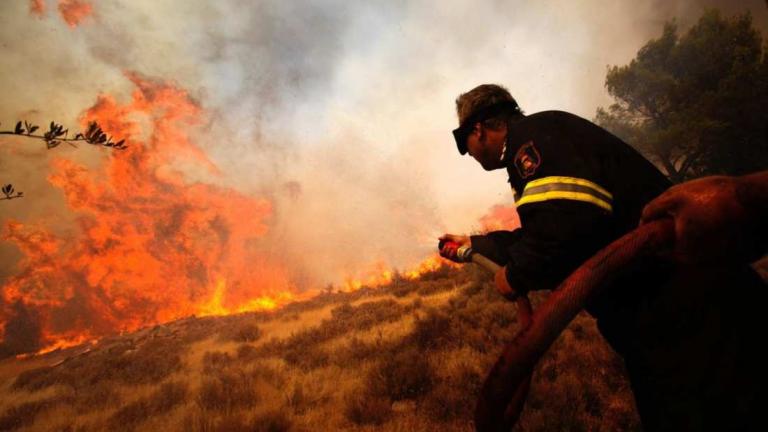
[{"x": 695, "y": 104}]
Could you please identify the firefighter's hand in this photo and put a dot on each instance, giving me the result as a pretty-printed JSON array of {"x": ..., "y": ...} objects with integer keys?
[
  {"x": 503, "y": 287},
  {"x": 451, "y": 244},
  {"x": 711, "y": 222}
]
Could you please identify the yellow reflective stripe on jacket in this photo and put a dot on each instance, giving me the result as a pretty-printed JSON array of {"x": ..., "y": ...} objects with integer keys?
[
  {"x": 569, "y": 188},
  {"x": 568, "y": 180}
]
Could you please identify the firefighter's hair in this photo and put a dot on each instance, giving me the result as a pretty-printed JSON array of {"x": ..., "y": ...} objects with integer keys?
[{"x": 481, "y": 97}]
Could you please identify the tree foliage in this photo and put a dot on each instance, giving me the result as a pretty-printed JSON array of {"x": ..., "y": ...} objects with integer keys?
[{"x": 695, "y": 104}]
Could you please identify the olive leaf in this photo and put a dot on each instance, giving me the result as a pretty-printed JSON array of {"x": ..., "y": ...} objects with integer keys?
[{"x": 10, "y": 193}]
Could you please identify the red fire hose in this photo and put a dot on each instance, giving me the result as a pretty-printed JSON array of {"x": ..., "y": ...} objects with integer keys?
[{"x": 505, "y": 388}]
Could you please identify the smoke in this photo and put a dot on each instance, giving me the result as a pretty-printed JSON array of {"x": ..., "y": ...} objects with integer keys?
[
  {"x": 22, "y": 331},
  {"x": 336, "y": 114}
]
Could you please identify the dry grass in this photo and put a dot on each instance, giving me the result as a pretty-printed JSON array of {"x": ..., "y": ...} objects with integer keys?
[
  {"x": 168, "y": 396},
  {"x": 407, "y": 357}
]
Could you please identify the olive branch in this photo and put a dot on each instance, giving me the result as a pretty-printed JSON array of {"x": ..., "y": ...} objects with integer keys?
[
  {"x": 55, "y": 136},
  {"x": 10, "y": 193}
]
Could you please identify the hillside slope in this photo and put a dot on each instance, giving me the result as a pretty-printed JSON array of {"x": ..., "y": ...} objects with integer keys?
[{"x": 408, "y": 356}]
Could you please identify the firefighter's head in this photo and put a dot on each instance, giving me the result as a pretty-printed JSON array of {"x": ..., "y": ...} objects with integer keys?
[{"x": 484, "y": 113}]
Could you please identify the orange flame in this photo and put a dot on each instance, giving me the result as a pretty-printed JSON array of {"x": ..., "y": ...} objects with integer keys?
[
  {"x": 152, "y": 246},
  {"x": 500, "y": 217},
  {"x": 380, "y": 274},
  {"x": 73, "y": 12},
  {"x": 215, "y": 306},
  {"x": 37, "y": 7}
]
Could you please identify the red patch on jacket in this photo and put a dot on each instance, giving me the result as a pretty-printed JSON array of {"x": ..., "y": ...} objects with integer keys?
[{"x": 527, "y": 160}]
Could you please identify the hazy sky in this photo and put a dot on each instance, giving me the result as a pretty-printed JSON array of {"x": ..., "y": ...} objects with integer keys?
[{"x": 339, "y": 112}]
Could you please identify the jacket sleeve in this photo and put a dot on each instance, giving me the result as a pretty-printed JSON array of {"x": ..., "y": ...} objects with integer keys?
[
  {"x": 495, "y": 244},
  {"x": 557, "y": 236}
]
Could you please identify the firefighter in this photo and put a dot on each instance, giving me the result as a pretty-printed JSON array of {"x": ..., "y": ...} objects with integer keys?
[{"x": 685, "y": 333}]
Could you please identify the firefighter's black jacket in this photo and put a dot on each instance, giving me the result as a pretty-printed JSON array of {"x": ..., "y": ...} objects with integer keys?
[{"x": 578, "y": 188}]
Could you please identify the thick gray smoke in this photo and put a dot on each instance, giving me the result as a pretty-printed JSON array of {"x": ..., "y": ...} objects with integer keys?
[{"x": 339, "y": 112}]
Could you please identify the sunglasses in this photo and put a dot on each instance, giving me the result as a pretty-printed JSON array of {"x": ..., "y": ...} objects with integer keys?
[{"x": 462, "y": 133}]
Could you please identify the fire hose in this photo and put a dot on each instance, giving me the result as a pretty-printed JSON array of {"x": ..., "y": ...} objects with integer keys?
[{"x": 505, "y": 389}]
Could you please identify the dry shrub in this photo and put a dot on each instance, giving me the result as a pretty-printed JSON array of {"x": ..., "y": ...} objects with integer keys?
[
  {"x": 247, "y": 353},
  {"x": 440, "y": 273},
  {"x": 401, "y": 290},
  {"x": 232, "y": 423},
  {"x": 216, "y": 361},
  {"x": 399, "y": 375},
  {"x": 271, "y": 421},
  {"x": 229, "y": 389},
  {"x": 471, "y": 289},
  {"x": 308, "y": 358},
  {"x": 432, "y": 331},
  {"x": 168, "y": 396},
  {"x": 24, "y": 414},
  {"x": 98, "y": 396},
  {"x": 198, "y": 421},
  {"x": 367, "y": 408},
  {"x": 302, "y": 349},
  {"x": 364, "y": 316},
  {"x": 269, "y": 374},
  {"x": 241, "y": 332},
  {"x": 448, "y": 402},
  {"x": 454, "y": 397},
  {"x": 431, "y": 287},
  {"x": 34, "y": 379},
  {"x": 297, "y": 399},
  {"x": 356, "y": 350},
  {"x": 148, "y": 363}
]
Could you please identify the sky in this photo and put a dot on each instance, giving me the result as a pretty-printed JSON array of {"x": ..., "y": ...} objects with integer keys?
[{"x": 337, "y": 113}]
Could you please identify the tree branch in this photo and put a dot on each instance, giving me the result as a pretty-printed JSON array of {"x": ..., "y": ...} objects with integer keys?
[{"x": 56, "y": 135}]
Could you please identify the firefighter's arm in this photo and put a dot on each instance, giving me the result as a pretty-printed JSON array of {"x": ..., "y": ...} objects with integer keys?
[
  {"x": 494, "y": 245},
  {"x": 716, "y": 218},
  {"x": 557, "y": 236}
]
